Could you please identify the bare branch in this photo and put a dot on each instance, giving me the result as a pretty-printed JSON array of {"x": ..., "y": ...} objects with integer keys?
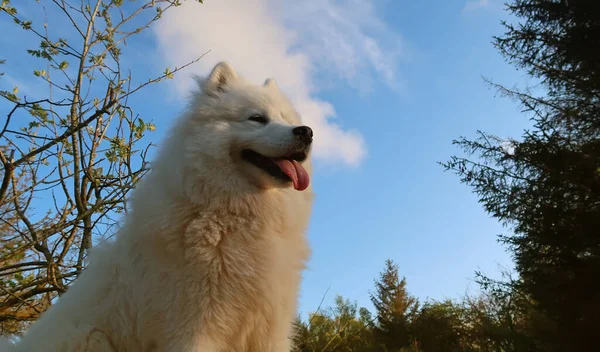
[{"x": 82, "y": 139}]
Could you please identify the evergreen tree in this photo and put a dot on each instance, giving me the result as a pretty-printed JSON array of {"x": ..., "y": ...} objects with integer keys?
[
  {"x": 546, "y": 186},
  {"x": 395, "y": 309}
]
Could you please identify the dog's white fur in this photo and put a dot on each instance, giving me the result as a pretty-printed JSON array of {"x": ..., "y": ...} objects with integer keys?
[{"x": 210, "y": 256}]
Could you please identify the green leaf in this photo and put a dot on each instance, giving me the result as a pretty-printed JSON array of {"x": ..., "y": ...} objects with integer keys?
[
  {"x": 8, "y": 9},
  {"x": 10, "y": 96},
  {"x": 26, "y": 25}
]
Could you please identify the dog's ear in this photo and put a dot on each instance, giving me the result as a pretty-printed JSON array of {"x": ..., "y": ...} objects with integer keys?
[
  {"x": 219, "y": 78},
  {"x": 271, "y": 84}
]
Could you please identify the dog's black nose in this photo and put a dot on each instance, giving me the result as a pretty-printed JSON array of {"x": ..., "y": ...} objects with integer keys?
[{"x": 304, "y": 132}]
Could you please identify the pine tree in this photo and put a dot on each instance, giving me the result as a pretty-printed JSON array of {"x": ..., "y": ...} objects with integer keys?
[
  {"x": 394, "y": 307},
  {"x": 546, "y": 186}
]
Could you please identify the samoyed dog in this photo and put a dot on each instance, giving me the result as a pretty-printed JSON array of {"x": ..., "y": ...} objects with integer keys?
[{"x": 210, "y": 256}]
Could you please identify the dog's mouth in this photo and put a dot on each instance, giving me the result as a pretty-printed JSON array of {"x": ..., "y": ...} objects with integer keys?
[{"x": 287, "y": 169}]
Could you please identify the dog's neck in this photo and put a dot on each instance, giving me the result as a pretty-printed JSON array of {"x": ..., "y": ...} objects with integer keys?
[
  {"x": 187, "y": 203},
  {"x": 163, "y": 218}
]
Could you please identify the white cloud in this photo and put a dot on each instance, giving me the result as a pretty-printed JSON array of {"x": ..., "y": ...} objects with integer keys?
[
  {"x": 304, "y": 45},
  {"x": 476, "y": 4}
]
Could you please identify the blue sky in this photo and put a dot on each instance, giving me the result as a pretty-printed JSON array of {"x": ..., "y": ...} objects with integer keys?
[
  {"x": 386, "y": 85},
  {"x": 399, "y": 203}
]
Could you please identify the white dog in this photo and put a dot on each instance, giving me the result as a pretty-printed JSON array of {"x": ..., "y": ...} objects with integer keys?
[{"x": 210, "y": 257}]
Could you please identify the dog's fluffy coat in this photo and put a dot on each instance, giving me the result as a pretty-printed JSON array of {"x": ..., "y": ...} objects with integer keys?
[{"x": 210, "y": 256}]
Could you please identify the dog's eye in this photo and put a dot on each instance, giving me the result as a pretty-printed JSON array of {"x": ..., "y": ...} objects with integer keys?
[{"x": 259, "y": 118}]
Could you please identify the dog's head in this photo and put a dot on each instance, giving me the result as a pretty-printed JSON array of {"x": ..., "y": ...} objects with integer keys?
[{"x": 247, "y": 134}]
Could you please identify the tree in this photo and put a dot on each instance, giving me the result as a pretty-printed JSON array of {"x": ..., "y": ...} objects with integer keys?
[
  {"x": 440, "y": 327},
  {"x": 500, "y": 318},
  {"x": 546, "y": 186},
  {"x": 11, "y": 275},
  {"x": 394, "y": 307},
  {"x": 69, "y": 157},
  {"x": 343, "y": 328}
]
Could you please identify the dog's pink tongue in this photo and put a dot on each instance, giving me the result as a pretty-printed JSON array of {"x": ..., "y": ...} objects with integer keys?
[{"x": 295, "y": 171}]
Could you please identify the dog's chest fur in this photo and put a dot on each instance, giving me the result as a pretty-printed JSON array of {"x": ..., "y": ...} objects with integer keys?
[{"x": 239, "y": 277}]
